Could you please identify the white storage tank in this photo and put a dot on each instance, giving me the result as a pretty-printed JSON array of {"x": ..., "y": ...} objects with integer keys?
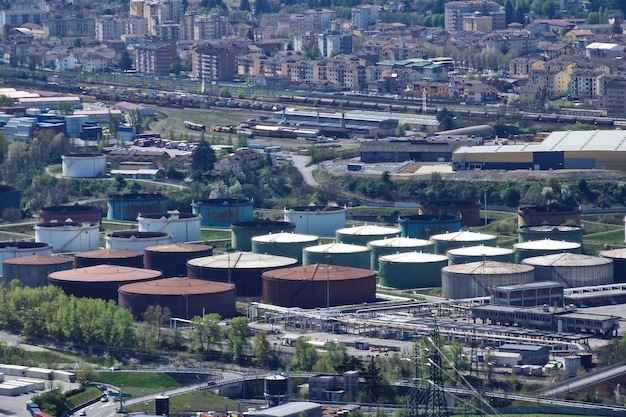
[
  {"x": 69, "y": 236},
  {"x": 355, "y": 256},
  {"x": 476, "y": 279},
  {"x": 284, "y": 244},
  {"x": 14, "y": 249},
  {"x": 84, "y": 165},
  {"x": 411, "y": 270},
  {"x": 135, "y": 240},
  {"x": 446, "y": 241},
  {"x": 572, "y": 269},
  {"x": 184, "y": 227},
  {"x": 543, "y": 247},
  {"x": 397, "y": 245},
  {"x": 362, "y": 235},
  {"x": 316, "y": 220},
  {"x": 480, "y": 253}
]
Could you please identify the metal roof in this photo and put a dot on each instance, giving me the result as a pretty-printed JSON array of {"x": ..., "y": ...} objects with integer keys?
[
  {"x": 105, "y": 273},
  {"x": 319, "y": 272},
  {"x": 567, "y": 259},
  {"x": 546, "y": 244},
  {"x": 413, "y": 257},
  {"x": 242, "y": 260},
  {"x": 177, "y": 287},
  {"x": 488, "y": 268},
  {"x": 108, "y": 253},
  {"x": 480, "y": 250},
  {"x": 368, "y": 230},
  {"x": 614, "y": 253},
  {"x": 400, "y": 242},
  {"x": 463, "y": 236},
  {"x": 336, "y": 248},
  {"x": 38, "y": 260},
  {"x": 285, "y": 238},
  {"x": 179, "y": 248},
  {"x": 286, "y": 410}
]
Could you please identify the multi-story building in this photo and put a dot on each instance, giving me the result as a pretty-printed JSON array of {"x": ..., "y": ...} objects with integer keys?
[
  {"x": 134, "y": 25},
  {"x": 154, "y": 58},
  {"x": 94, "y": 62},
  {"x": 615, "y": 95},
  {"x": 587, "y": 83},
  {"x": 554, "y": 83},
  {"x": 455, "y": 11},
  {"x": 169, "y": 31},
  {"x": 69, "y": 26},
  {"x": 521, "y": 42},
  {"x": 523, "y": 65},
  {"x": 476, "y": 22},
  {"x": 321, "y": 18},
  {"x": 215, "y": 61},
  {"x": 17, "y": 17},
  {"x": 108, "y": 27},
  {"x": 331, "y": 44},
  {"x": 210, "y": 26},
  {"x": 364, "y": 15}
]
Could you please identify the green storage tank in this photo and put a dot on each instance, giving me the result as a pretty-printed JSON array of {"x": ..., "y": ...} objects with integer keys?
[
  {"x": 446, "y": 241},
  {"x": 543, "y": 247},
  {"x": 284, "y": 244},
  {"x": 361, "y": 235},
  {"x": 411, "y": 270},
  {"x": 397, "y": 245},
  {"x": 566, "y": 233},
  {"x": 241, "y": 233},
  {"x": 480, "y": 253},
  {"x": 619, "y": 263},
  {"x": 341, "y": 254}
]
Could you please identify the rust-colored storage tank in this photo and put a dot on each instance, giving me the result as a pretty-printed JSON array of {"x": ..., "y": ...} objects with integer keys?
[
  {"x": 100, "y": 281},
  {"x": 468, "y": 210},
  {"x": 33, "y": 271},
  {"x": 319, "y": 286},
  {"x": 554, "y": 214},
  {"x": 172, "y": 259},
  {"x": 185, "y": 297},
  {"x": 119, "y": 257},
  {"x": 243, "y": 269},
  {"x": 75, "y": 213}
]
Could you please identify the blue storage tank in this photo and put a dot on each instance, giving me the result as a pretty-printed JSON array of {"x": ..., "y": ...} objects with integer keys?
[
  {"x": 423, "y": 226},
  {"x": 9, "y": 198},
  {"x": 223, "y": 212},
  {"x": 128, "y": 206}
]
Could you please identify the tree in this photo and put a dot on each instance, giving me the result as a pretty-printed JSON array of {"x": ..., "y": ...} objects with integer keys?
[
  {"x": 446, "y": 118},
  {"x": 157, "y": 316},
  {"x": 136, "y": 119},
  {"x": 176, "y": 65},
  {"x": 238, "y": 333},
  {"x": 262, "y": 350},
  {"x": 304, "y": 355},
  {"x": 6, "y": 101},
  {"x": 400, "y": 130},
  {"x": 202, "y": 159},
  {"x": 373, "y": 380},
  {"x": 120, "y": 182},
  {"x": 113, "y": 122},
  {"x": 244, "y": 5},
  {"x": 65, "y": 108},
  {"x": 126, "y": 62},
  {"x": 206, "y": 330}
]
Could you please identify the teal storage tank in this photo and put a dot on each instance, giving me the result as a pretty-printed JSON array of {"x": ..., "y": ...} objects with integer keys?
[
  {"x": 566, "y": 233},
  {"x": 397, "y": 245},
  {"x": 423, "y": 226},
  {"x": 361, "y": 235},
  {"x": 223, "y": 212},
  {"x": 480, "y": 253},
  {"x": 543, "y": 247},
  {"x": 411, "y": 270},
  {"x": 462, "y": 239},
  {"x": 283, "y": 244},
  {"x": 341, "y": 254},
  {"x": 242, "y": 232},
  {"x": 129, "y": 206},
  {"x": 618, "y": 256}
]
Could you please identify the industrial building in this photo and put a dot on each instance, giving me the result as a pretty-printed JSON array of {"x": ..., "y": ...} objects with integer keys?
[
  {"x": 333, "y": 387},
  {"x": 595, "y": 149},
  {"x": 530, "y": 294},
  {"x": 435, "y": 149},
  {"x": 319, "y": 286}
]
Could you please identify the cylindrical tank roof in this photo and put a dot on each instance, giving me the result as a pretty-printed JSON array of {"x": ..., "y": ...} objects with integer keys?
[
  {"x": 11, "y": 246},
  {"x": 318, "y": 272},
  {"x": 82, "y": 155},
  {"x": 182, "y": 248},
  {"x": 413, "y": 258},
  {"x": 176, "y": 286},
  {"x": 242, "y": 260},
  {"x": 331, "y": 248},
  {"x": 546, "y": 244},
  {"x": 368, "y": 230},
  {"x": 463, "y": 236},
  {"x": 285, "y": 238},
  {"x": 399, "y": 242},
  {"x": 567, "y": 259},
  {"x": 170, "y": 215},
  {"x": 105, "y": 273},
  {"x": 33, "y": 270},
  {"x": 549, "y": 228},
  {"x": 313, "y": 208},
  {"x": 76, "y": 213},
  {"x": 135, "y": 196},
  {"x": 108, "y": 257},
  {"x": 488, "y": 268},
  {"x": 480, "y": 250},
  {"x": 172, "y": 259},
  {"x": 614, "y": 253},
  {"x": 225, "y": 201},
  {"x": 38, "y": 260}
]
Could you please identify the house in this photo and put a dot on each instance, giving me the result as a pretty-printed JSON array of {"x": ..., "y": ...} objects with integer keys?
[
  {"x": 481, "y": 93},
  {"x": 94, "y": 62}
]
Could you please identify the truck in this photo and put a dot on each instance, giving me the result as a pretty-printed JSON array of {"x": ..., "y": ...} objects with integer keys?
[{"x": 32, "y": 408}]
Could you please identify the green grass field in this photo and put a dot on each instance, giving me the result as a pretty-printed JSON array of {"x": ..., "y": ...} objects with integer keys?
[
  {"x": 139, "y": 384},
  {"x": 196, "y": 401}
]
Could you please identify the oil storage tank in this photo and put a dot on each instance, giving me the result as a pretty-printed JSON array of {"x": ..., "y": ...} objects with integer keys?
[
  {"x": 397, "y": 245},
  {"x": 76, "y": 213},
  {"x": 361, "y": 235},
  {"x": 475, "y": 279},
  {"x": 185, "y": 297},
  {"x": 355, "y": 256},
  {"x": 284, "y": 244},
  {"x": 618, "y": 256},
  {"x": 33, "y": 271},
  {"x": 15, "y": 249},
  {"x": 543, "y": 247},
  {"x": 319, "y": 286},
  {"x": 243, "y": 269},
  {"x": 467, "y": 210},
  {"x": 129, "y": 206},
  {"x": 445, "y": 242},
  {"x": 69, "y": 236},
  {"x": 548, "y": 214},
  {"x": 84, "y": 165},
  {"x": 411, "y": 270},
  {"x": 566, "y": 233},
  {"x": 135, "y": 240},
  {"x": 119, "y": 257},
  {"x": 184, "y": 227},
  {"x": 100, "y": 281},
  {"x": 480, "y": 253},
  {"x": 423, "y": 226},
  {"x": 223, "y": 212},
  {"x": 572, "y": 269},
  {"x": 243, "y": 232},
  {"x": 316, "y": 220},
  {"x": 172, "y": 259},
  {"x": 10, "y": 198}
]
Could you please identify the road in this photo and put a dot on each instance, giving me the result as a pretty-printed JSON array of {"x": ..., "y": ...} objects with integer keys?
[{"x": 300, "y": 162}]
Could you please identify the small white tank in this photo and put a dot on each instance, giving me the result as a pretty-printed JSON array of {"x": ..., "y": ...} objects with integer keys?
[
  {"x": 184, "y": 227},
  {"x": 135, "y": 240},
  {"x": 69, "y": 236},
  {"x": 84, "y": 165}
]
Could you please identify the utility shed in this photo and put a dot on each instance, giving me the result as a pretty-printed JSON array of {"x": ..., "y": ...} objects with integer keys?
[
  {"x": 292, "y": 409},
  {"x": 531, "y": 354}
]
